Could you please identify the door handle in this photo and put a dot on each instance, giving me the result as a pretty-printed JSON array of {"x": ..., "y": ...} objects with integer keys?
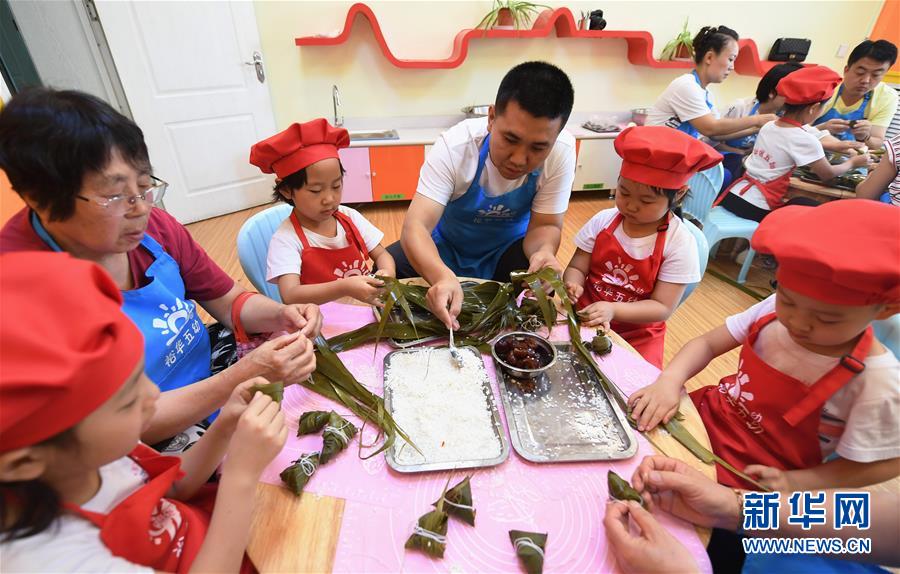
[{"x": 258, "y": 64}]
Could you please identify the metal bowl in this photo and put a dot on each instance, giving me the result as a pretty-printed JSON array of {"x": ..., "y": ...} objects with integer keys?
[
  {"x": 525, "y": 373},
  {"x": 476, "y": 111}
]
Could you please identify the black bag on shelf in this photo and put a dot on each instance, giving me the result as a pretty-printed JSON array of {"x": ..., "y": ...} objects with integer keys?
[{"x": 789, "y": 50}]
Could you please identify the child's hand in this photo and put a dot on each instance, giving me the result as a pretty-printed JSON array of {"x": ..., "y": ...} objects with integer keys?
[
  {"x": 385, "y": 273},
  {"x": 362, "y": 288},
  {"x": 237, "y": 403},
  {"x": 574, "y": 290},
  {"x": 655, "y": 403},
  {"x": 860, "y": 160},
  {"x": 770, "y": 477},
  {"x": 597, "y": 315},
  {"x": 260, "y": 435}
]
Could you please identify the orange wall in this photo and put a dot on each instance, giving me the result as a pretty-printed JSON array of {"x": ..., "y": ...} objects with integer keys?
[
  {"x": 9, "y": 201},
  {"x": 887, "y": 27}
]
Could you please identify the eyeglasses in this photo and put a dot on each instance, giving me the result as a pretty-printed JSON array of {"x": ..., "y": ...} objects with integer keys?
[{"x": 123, "y": 203}]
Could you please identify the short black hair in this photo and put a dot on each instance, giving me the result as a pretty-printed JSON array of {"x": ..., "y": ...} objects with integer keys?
[
  {"x": 541, "y": 89},
  {"x": 879, "y": 50},
  {"x": 713, "y": 38},
  {"x": 775, "y": 74},
  {"x": 51, "y": 139},
  {"x": 293, "y": 182},
  {"x": 791, "y": 109}
]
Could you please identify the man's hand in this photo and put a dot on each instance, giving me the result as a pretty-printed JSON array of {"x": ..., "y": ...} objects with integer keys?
[
  {"x": 861, "y": 129},
  {"x": 444, "y": 299},
  {"x": 542, "y": 259},
  {"x": 835, "y": 126},
  {"x": 645, "y": 546}
]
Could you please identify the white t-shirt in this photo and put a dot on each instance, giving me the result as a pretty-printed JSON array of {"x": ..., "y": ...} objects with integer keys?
[
  {"x": 859, "y": 421},
  {"x": 740, "y": 108},
  {"x": 683, "y": 100},
  {"x": 777, "y": 151},
  {"x": 72, "y": 544},
  {"x": 285, "y": 249},
  {"x": 892, "y": 156},
  {"x": 451, "y": 164},
  {"x": 680, "y": 263}
]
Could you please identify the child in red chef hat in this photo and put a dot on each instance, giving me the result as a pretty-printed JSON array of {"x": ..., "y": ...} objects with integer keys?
[
  {"x": 811, "y": 380},
  {"x": 321, "y": 252},
  {"x": 78, "y": 491},
  {"x": 634, "y": 261},
  {"x": 785, "y": 144}
]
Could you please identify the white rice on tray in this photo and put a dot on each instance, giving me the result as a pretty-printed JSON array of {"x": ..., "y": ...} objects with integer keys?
[{"x": 441, "y": 407}]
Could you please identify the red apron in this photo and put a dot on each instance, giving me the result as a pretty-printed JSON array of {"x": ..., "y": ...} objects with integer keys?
[
  {"x": 774, "y": 191},
  {"x": 321, "y": 265},
  {"x": 616, "y": 277},
  {"x": 148, "y": 529},
  {"x": 763, "y": 416}
]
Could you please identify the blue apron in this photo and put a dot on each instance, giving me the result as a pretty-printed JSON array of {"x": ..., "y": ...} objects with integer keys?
[
  {"x": 857, "y": 114},
  {"x": 746, "y": 142},
  {"x": 475, "y": 230},
  {"x": 176, "y": 343},
  {"x": 686, "y": 127}
]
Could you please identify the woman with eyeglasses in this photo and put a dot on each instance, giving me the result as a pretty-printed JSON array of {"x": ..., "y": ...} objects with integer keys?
[{"x": 84, "y": 173}]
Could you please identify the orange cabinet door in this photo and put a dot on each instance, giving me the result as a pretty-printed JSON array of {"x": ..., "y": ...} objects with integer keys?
[{"x": 395, "y": 171}]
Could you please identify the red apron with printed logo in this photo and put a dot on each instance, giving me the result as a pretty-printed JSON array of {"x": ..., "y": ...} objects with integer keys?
[
  {"x": 773, "y": 191},
  {"x": 616, "y": 277},
  {"x": 148, "y": 529},
  {"x": 321, "y": 265},
  {"x": 763, "y": 416}
]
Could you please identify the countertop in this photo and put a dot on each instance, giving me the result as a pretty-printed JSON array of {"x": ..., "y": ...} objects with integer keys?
[{"x": 425, "y": 130}]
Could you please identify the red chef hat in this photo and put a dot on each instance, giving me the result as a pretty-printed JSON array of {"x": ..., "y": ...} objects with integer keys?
[
  {"x": 298, "y": 146},
  {"x": 844, "y": 252},
  {"x": 66, "y": 345},
  {"x": 662, "y": 157},
  {"x": 808, "y": 85}
]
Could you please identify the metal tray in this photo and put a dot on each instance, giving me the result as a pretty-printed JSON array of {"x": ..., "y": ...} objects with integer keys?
[
  {"x": 417, "y": 314},
  {"x": 457, "y": 464},
  {"x": 568, "y": 416}
]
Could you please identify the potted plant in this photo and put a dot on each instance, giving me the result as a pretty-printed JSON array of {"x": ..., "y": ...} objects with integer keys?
[
  {"x": 510, "y": 14},
  {"x": 681, "y": 48}
]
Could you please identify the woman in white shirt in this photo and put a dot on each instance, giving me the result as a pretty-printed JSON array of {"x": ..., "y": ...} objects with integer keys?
[{"x": 685, "y": 105}]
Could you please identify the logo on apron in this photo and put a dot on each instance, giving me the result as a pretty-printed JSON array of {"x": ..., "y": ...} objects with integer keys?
[
  {"x": 352, "y": 269},
  {"x": 494, "y": 212},
  {"x": 181, "y": 322},
  {"x": 619, "y": 274},
  {"x": 732, "y": 388},
  {"x": 164, "y": 523}
]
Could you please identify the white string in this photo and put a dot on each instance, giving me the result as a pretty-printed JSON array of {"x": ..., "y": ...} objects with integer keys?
[
  {"x": 529, "y": 543},
  {"x": 439, "y": 538},
  {"x": 339, "y": 431},
  {"x": 306, "y": 464},
  {"x": 463, "y": 506}
]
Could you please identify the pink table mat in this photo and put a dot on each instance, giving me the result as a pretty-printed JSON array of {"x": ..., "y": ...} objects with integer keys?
[{"x": 566, "y": 500}]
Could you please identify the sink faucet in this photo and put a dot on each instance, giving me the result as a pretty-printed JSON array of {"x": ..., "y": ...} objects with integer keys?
[{"x": 336, "y": 100}]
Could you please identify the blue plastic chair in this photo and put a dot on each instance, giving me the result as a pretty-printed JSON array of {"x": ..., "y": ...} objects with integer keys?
[
  {"x": 253, "y": 246},
  {"x": 888, "y": 332},
  {"x": 702, "y": 252},
  {"x": 718, "y": 223}
]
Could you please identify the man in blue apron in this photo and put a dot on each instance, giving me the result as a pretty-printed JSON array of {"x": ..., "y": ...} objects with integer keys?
[
  {"x": 863, "y": 106},
  {"x": 493, "y": 191}
]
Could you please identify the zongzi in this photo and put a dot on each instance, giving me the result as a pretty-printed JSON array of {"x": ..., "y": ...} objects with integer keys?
[
  {"x": 312, "y": 422},
  {"x": 296, "y": 476},
  {"x": 530, "y": 549},
  {"x": 273, "y": 390},
  {"x": 458, "y": 502},
  {"x": 430, "y": 533},
  {"x": 336, "y": 436},
  {"x": 620, "y": 489}
]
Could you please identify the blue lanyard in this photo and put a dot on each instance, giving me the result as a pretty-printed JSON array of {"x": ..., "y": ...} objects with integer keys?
[{"x": 42, "y": 233}]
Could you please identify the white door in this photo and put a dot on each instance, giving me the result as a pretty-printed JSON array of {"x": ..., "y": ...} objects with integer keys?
[{"x": 200, "y": 105}]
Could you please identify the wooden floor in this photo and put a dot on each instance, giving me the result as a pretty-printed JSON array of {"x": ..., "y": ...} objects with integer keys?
[{"x": 707, "y": 307}]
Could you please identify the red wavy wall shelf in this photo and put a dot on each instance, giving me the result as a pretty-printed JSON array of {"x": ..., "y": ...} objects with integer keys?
[{"x": 640, "y": 43}]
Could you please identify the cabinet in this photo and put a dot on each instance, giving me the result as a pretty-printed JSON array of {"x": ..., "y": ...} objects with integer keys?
[
  {"x": 395, "y": 171},
  {"x": 358, "y": 176},
  {"x": 597, "y": 165}
]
